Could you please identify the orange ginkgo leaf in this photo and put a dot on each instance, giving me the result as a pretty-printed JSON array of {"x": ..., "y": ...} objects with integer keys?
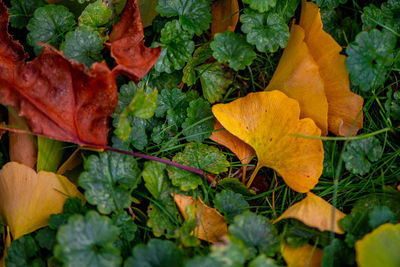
[
  {"x": 315, "y": 212},
  {"x": 134, "y": 59},
  {"x": 225, "y": 16},
  {"x": 211, "y": 225},
  {"x": 242, "y": 150},
  {"x": 297, "y": 75},
  {"x": 305, "y": 256},
  {"x": 27, "y": 198},
  {"x": 344, "y": 107},
  {"x": 269, "y": 122}
]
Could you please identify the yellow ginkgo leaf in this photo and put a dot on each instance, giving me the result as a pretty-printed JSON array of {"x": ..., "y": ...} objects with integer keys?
[
  {"x": 315, "y": 212},
  {"x": 297, "y": 75},
  {"x": 344, "y": 107},
  {"x": 27, "y": 198},
  {"x": 269, "y": 122},
  {"x": 305, "y": 256},
  {"x": 211, "y": 225},
  {"x": 242, "y": 150}
]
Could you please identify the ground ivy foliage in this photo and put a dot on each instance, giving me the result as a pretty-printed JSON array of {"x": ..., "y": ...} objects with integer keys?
[
  {"x": 88, "y": 241},
  {"x": 22, "y": 10},
  {"x": 199, "y": 156},
  {"x": 108, "y": 180}
]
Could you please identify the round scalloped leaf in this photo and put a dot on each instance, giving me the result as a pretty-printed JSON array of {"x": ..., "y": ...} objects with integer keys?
[{"x": 261, "y": 5}]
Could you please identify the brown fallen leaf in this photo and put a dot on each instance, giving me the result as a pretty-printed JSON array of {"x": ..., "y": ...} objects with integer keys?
[
  {"x": 134, "y": 59},
  {"x": 305, "y": 256},
  {"x": 344, "y": 107},
  {"x": 315, "y": 212},
  {"x": 225, "y": 16},
  {"x": 57, "y": 97},
  {"x": 27, "y": 198},
  {"x": 243, "y": 151},
  {"x": 211, "y": 225},
  {"x": 269, "y": 122},
  {"x": 297, "y": 75}
]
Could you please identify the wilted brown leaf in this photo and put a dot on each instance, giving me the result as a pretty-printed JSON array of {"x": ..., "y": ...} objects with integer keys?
[{"x": 211, "y": 225}]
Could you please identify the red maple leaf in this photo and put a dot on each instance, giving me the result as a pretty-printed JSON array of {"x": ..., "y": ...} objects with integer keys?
[
  {"x": 127, "y": 45},
  {"x": 58, "y": 98}
]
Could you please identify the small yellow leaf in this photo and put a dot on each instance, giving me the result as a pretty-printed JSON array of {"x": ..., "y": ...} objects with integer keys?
[
  {"x": 225, "y": 16},
  {"x": 269, "y": 122},
  {"x": 242, "y": 150},
  {"x": 297, "y": 75},
  {"x": 344, "y": 107},
  {"x": 315, "y": 212},
  {"x": 380, "y": 248},
  {"x": 305, "y": 256},
  {"x": 27, "y": 198},
  {"x": 211, "y": 225}
]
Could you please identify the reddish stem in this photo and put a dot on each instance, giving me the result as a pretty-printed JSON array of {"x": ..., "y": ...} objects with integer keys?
[{"x": 210, "y": 177}]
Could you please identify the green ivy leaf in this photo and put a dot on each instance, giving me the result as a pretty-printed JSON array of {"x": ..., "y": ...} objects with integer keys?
[
  {"x": 391, "y": 13},
  {"x": 371, "y": 17},
  {"x": 155, "y": 180},
  {"x": 46, "y": 238},
  {"x": 330, "y": 4},
  {"x": 95, "y": 14},
  {"x": 380, "y": 215},
  {"x": 71, "y": 206},
  {"x": 185, "y": 233},
  {"x": 256, "y": 233},
  {"x": 261, "y": 5},
  {"x": 230, "y": 204},
  {"x": 360, "y": 154},
  {"x": 156, "y": 253},
  {"x": 88, "y": 241},
  {"x": 196, "y": 155},
  {"x": 235, "y": 185},
  {"x": 163, "y": 80},
  {"x": 161, "y": 133},
  {"x": 163, "y": 218},
  {"x": 177, "y": 48},
  {"x": 127, "y": 231},
  {"x": 200, "y": 55},
  {"x": 48, "y": 25},
  {"x": 214, "y": 81},
  {"x": 108, "y": 180},
  {"x": 22, "y": 10},
  {"x": 369, "y": 57},
  {"x": 233, "y": 48},
  {"x": 337, "y": 253},
  {"x": 267, "y": 32},
  {"x": 195, "y": 127},
  {"x": 24, "y": 252},
  {"x": 263, "y": 261},
  {"x": 393, "y": 105},
  {"x": 232, "y": 253},
  {"x": 360, "y": 221},
  {"x": 168, "y": 99},
  {"x": 286, "y": 9},
  {"x": 194, "y": 15},
  {"x": 201, "y": 261},
  {"x": 176, "y": 117},
  {"x": 337, "y": 27},
  {"x": 83, "y": 45}
]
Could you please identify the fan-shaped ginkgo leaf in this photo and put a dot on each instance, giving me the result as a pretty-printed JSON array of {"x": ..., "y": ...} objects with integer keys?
[
  {"x": 242, "y": 150},
  {"x": 315, "y": 212},
  {"x": 225, "y": 16},
  {"x": 269, "y": 122},
  {"x": 297, "y": 75},
  {"x": 344, "y": 107},
  {"x": 211, "y": 225},
  {"x": 302, "y": 256},
  {"x": 27, "y": 198}
]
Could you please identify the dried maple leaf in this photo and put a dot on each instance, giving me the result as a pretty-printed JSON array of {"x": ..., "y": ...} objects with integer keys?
[
  {"x": 225, "y": 16},
  {"x": 297, "y": 75},
  {"x": 269, "y": 122},
  {"x": 58, "y": 98},
  {"x": 305, "y": 256},
  {"x": 242, "y": 150},
  {"x": 27, "y": 198},
  {"x": 315, "y": 212},
  {"x": 134, "y": 59},
  {"x": 211, "y": 225}
]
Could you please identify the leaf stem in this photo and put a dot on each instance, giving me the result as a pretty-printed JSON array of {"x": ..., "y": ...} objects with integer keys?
[{"x": 210, "y": 177}]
